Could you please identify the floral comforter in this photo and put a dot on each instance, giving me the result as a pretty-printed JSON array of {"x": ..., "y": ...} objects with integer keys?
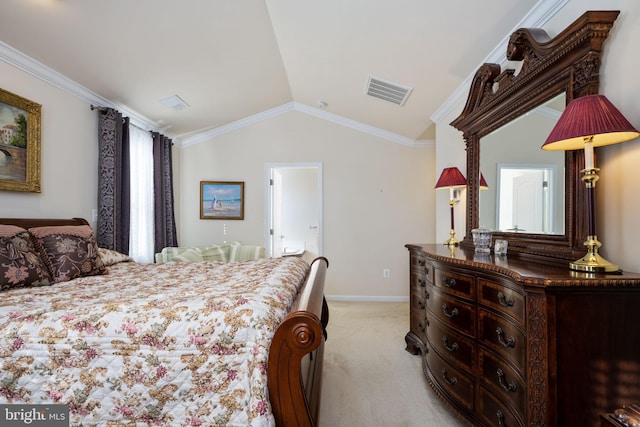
[{"x": 172, "y": 344}]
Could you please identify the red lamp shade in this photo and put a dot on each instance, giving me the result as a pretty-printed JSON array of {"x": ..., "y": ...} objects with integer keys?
[
  {"x": 591, "y": 118},
  {"x": 451, "y": 177},
  {"x": 483, "y": 183}
]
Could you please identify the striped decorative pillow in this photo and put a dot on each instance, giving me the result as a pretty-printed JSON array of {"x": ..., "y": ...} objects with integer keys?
[
  {"x": 246, "y": 252},
  {"x": 196, "y": 253}
]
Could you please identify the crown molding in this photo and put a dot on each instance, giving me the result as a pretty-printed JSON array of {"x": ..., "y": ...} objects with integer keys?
[
  {"x": 353, "y": 124},
  {"x": 233, "y": 126},
  {"x": 312, "y": 111},
  {"x": 30, "y": 66},
  {"x": 537, "y": 17}
]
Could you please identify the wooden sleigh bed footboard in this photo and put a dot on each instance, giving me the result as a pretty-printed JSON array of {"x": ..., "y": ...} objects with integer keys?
[{"x": 295, "y": 357}]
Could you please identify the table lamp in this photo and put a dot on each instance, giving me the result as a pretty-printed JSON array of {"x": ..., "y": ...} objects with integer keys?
[
  {"x": 483, "y": 183},
  {"x": 587, "y": 122},
  {"x": 452, "y": 179}
]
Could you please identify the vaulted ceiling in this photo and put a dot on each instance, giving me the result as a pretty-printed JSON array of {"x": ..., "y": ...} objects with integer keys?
[{"x": 229, "y": 60}]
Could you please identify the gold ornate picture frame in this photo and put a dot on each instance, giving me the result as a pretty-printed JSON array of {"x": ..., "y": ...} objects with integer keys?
[
  {"x": 221, "y": 199},
  {"x": 19, "y": 143}
]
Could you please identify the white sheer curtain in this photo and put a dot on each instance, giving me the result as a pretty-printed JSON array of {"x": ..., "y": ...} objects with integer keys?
[{"x": 142, "y": 216}]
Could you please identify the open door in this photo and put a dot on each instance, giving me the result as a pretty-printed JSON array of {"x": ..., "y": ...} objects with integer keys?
[
  {"x": 525, "y": 198},
  {"x": 294, "y": 209}
]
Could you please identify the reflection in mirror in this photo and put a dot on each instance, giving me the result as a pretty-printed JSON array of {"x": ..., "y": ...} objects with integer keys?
[
  {"x": 518, "y": 199},
  {"x": 526, "y": 198}
]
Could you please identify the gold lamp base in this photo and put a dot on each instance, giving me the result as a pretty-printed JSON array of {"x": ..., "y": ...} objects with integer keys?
[
  {"x": 452, "y": 241},
  {"x": 592, "y": 262}
]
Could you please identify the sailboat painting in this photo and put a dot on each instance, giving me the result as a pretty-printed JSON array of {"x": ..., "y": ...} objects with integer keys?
[{"x": 221, "y": 199}]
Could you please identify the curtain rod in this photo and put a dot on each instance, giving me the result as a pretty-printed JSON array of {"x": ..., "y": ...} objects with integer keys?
[{"x": 99, "y": 108}]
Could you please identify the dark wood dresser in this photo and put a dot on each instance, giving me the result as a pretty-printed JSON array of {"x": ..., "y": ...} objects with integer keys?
[{"x": 511, "y": 341}]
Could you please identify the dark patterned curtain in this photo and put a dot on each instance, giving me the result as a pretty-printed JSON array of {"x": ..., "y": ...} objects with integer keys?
[
  {"x": 165, "y": 223},
  {"x": 113, "y": 180}
]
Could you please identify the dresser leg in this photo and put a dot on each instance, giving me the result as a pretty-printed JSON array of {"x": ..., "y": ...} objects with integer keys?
[{"x": 414, "y": 345}]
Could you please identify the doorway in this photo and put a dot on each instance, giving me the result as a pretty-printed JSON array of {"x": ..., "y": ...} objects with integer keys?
[{"x": 293, "y": 209}]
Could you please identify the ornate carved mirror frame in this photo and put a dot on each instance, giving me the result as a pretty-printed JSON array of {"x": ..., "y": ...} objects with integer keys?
[{"x": 567, "y": 63}]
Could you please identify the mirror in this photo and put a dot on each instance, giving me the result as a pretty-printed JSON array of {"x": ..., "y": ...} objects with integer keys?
[
  {"x": 525, "y": 184},
  {"x": 566, "y": 65}
]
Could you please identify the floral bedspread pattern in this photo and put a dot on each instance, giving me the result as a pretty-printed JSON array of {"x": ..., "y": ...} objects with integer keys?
[{"x": 172, "y": 344}]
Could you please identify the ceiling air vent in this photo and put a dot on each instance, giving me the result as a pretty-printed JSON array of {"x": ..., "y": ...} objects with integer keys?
[
  {"x": 388, "y": 91},
  {"x": 174, "y": 102}
]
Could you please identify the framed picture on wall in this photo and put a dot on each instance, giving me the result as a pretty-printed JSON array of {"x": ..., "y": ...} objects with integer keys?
[
  {"x": 19, "y": 143},
  {"x": 221, "y": 199}
]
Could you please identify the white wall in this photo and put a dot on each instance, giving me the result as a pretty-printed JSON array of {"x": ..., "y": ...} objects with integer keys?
[
  {"x": 378, "y": 196},
  {"x": 69, "y": 152},
  {"x": 619, "y": 186}
]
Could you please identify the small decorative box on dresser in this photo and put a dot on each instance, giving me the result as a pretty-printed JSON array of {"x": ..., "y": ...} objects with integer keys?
[{"x": 509, "y": 341}]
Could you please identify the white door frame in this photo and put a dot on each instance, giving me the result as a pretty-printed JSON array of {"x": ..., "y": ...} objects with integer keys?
[{"x": 268, "y": 215}]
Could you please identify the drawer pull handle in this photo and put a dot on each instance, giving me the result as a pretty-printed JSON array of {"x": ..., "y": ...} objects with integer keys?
[
  {"x": 511, "y": 388},
  {"x": 422, "y": 283},
  {"x": 421, "y": 305},
  {"x": 445, "y": 342},
  {"x": 501, "y": 422},
  {"x": 445, "y": 377},
  {"x": 422, "y": 262},
  {"x": 504, "y": 301},
  {"x": 426, "y": 295},
  {"x": 511, "y": 342},
  {"x": 449, "y": 283},
  {"x": 451, "y": 314}
]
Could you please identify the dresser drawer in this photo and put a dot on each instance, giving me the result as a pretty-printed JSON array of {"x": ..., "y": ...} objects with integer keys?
[
  {"x": 455, "y": 348},
  {"x": 450, "y": 379},
  {"x": 503, "y": 381},
  {"x": 418, "y": 263},
  {"x": 501, "y": 298},
  {"x": 418, "y": 325},
  {"x": 494, "y": 412},
  {"x": 417, "y": 301},
  {"x": 455, "y": 283},
  {"x": 501, "y": 335},
  {"x": 418, "y": 281},
  {"x": 453, "y": 312},
  {"x": 417, "y": 259},
  {"x": 420, "y": 272}
]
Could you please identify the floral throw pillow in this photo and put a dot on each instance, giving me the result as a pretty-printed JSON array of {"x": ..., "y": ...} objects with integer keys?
[
  {"x": 20, "y": 263},
  {"x": 69, "y": 251},
  {"x": 111, "y": 257}
]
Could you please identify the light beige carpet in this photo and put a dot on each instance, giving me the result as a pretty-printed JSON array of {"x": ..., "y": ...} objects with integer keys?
[{"x": 369, "y": 379}]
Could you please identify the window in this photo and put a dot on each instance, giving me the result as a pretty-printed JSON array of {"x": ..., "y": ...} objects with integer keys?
[{"x": 141, "y": 238}]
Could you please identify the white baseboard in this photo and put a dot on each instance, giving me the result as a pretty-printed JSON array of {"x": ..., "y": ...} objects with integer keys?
[{"x": 361, "y": 298}]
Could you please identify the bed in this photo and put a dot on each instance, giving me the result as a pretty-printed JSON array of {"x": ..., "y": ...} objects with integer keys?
[{"x": 184, "y": 344}]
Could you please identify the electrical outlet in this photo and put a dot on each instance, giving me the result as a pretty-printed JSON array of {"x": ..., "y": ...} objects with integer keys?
[{"x": 386, "y": 273}]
